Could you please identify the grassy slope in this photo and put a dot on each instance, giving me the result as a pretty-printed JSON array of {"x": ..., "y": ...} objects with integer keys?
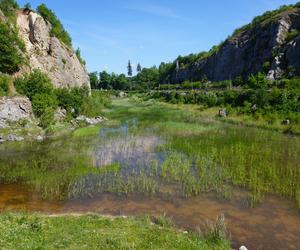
[
  {"x": 242, "y": 119},
  {"x": 94, "y": 232}
]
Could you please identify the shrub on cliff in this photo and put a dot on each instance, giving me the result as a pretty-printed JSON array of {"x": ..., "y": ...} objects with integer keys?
[
  {"x": 4, "y": 84},
  {"x": 57, "y": 27},
  {"x": 11, "y": 47},
  {"x": 34, "y": 83},
  {"x": 42, "y": 102},
  {"x": 72, "y": 99},
  {"x": 8, "y": 7}
]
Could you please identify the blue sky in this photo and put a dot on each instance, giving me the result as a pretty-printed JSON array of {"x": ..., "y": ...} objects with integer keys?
[{"x": 110, "y": 32}]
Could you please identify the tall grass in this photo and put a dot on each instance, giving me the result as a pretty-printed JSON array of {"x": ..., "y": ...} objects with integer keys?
[{"x": 156, "y": 148}]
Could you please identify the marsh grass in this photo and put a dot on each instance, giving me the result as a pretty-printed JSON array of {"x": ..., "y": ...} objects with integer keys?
[
  {"x": 215, "y": 231},
  {"x": 152, "y": 148}
]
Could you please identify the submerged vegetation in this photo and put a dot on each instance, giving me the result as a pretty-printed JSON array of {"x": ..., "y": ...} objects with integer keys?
[{"x": 160, "y": 146}]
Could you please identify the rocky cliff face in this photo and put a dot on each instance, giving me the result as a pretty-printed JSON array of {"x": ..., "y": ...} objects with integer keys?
[
  {"x": 13, "y": 109},
  {"x": 48, "y": 54},
  {"x": 246, "y": 52}
]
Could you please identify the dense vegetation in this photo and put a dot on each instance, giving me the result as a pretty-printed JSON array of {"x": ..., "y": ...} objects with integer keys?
[
  {"x": 11, "y": 46},
  {"x": 45, "y": 99},
  {"x": 268, "y": 16},
  {"x": 8, "y": 8},
  {"x": 24, "y": 231},
  {"x": 146, "y": 80},
  {"x": 275, "y": 101},
  {"x": 57, "y": 27},
  {"x": 192, "y": 158},
  {"x": 4, "y": 84}
]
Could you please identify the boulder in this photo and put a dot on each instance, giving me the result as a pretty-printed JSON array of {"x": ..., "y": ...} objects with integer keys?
[
  {"x": 14, "y": 138},
  {"x": 122, "y": 94},
  {"x": 90, "y": 121},
  {"x": 14, "y": 109},
  {"x": 60, "y": 114},
  {"x": 2, "y": 139},
  {"x": 40, "y": 138},
  {"x": 3, "y": 124},
  {"x": 223, "y": 113},
  {"x": 286, "y": 122}
]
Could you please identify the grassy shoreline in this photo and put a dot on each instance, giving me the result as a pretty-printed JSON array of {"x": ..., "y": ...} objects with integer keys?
[{"x": 34, "y": 231}]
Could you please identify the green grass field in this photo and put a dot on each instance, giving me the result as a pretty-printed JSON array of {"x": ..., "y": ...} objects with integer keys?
[{"x": 20, "y": 231}]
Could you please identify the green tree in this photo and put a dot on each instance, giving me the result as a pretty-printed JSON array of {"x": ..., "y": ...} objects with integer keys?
[
  {"x": 47, "y": 118},
  {"x": 34, "y": 83},
  {"x": 139, "y": 68},
  {"x": 4, "y": 84},
  {"x": 27, "y": 5},
  {"x": 148, "y": 78},
  {"x": 258, "y": 81},
  {"x": 11, "y": 47},
  {"x": 121, "y": 82},
  {"x": 42, "y": 102},
  {"x": 105, "y": 80},
  {"x": 78, "y": 54},
  {"x": 57, "y": 27},
  {"x": 129, "y": 68},
  {"x": 8, "y": 7},
  {"x": 94, "y": 80}
]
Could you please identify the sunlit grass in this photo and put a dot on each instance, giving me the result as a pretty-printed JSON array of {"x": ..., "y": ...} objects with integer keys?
[
  {"x": 23, "y": 231},
  {"x": 187, "y": 152}
]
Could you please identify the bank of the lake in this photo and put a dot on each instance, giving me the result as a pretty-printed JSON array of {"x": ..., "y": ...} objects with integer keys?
[
  {"x": 148, "y": 152},
  {"x": 31, "y": 231}
]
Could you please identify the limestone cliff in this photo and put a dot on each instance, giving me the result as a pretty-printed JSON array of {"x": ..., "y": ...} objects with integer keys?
[
  {"x": 274, "y": 42},
  {"x": 48, "y": 54}
]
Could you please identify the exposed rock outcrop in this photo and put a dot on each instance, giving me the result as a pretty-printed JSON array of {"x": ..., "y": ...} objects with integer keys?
[
  {"x": 48, "y": 54},
  {"x": 90, "y": 121},
  {"x": 247, "y": 51},
  {"x": 2, "y": 17},
  {"x": 15, "y": 109}
]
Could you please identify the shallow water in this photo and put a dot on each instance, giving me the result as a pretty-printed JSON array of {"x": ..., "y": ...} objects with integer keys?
[
  {"x": 271, "y": 224},
  {"x": 274, "y": 224}
]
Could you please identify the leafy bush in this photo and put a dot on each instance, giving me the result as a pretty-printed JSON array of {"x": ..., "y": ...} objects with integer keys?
[
  {"x": 4, "y": 85},
  {"x": 57, "y": 27},
  {"x": 72, "y": 99},
  {"x": 93, "y": 105},
  {"x": 45, "y": 99},
  {"x": 78, "y": 54},
  {"x": 8, "y": 7},
  {"x": 258, "y": 81},
  {"x": 292, "y": 35},
  {"x": 47, "y": 118},
  {"x": 11, "y": 48},
  {"x": 39, "y": 89},
  {"x": 34, "y": 83},
  {"x": 266, "y": 17},
  {"x": 43, "y": 102}
]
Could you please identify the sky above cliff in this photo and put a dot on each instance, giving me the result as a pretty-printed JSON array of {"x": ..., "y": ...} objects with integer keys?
[{"x": 111, "y": 32}]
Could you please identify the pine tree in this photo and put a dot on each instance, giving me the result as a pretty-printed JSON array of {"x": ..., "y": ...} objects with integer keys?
[
  {"x": 139, "y": 68},
  {"x": 27, "y": 6},
  {"x": 129, "y": 68}
]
